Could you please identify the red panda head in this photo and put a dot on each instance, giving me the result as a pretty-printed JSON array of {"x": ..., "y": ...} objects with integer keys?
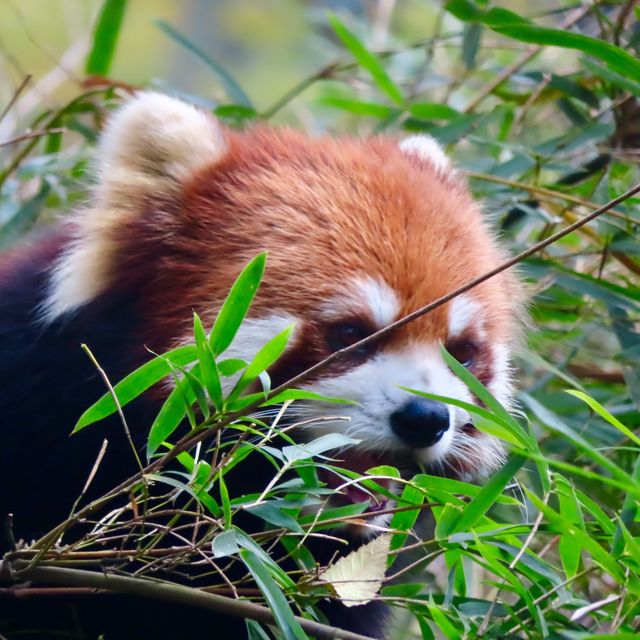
[{"x": 358, "y": 232}]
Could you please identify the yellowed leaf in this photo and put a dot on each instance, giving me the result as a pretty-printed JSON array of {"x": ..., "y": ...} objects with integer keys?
[{"x": 357, "y": 577}]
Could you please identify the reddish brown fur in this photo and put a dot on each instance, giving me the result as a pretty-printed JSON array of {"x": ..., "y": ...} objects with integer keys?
[{"x": 326, "y": 211}]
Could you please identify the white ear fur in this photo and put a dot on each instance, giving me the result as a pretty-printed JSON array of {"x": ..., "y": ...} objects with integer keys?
[
  {"x": 426, "y": 148},
  {"x": 149, "y": 147}
]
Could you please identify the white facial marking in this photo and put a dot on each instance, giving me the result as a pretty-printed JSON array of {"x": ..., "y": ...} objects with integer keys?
[
  {"x": 370, "y": 296},
  {"x": 464, "y": 312},
  {"x": 375, "y": 386},
  {"x": 428, "y": 149},
  {"x": 381, "y": 299}
]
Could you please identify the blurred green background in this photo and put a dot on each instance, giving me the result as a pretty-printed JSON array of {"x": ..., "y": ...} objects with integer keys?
[{"x": 266, "y": 45}]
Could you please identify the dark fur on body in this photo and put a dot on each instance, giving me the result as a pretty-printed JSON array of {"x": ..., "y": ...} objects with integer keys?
[{"x": 46, "y": 382}]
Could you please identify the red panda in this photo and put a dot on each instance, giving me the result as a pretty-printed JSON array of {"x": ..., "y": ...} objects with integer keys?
[{"x": 359, "y": 232}]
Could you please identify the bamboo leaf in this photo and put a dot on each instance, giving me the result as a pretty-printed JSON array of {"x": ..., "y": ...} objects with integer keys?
[
  {"x": 366, "y": 60},
  {"x": 136, "y": 383},
  {"x": 289, "y": 626},
  {"x": 487, "y": 497},
  {"x": 232, "y": 88},
  {"x": 105, "y": 37},
  {"x": 236, "y": 305}
]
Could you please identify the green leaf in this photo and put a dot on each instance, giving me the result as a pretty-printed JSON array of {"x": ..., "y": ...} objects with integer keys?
[
  {"x": 445, "y": 518},
  {"x": 199, "y": 394},
  {"x": 514, "y": 26},
  {"x": 231, "y": 366},
  {"x": 136, "y": 383},
  {"x": 603, "y": 413},
  {"x": 231, "y": 87},
  {"x": 171, "y": 414},
  {"x": 612, "y": 77},
  {"x": 236, "y": 112},
  {"x": 570, "y": 552},
  {"x": 317, "y": 447},
  {"x": 255, "y": 631},
  {"x": 262, "y": 361},
  {"x": 553, "y": 422},
  {"x": 366, "y": 60},
  {"x": 433, "y": 111},
  {"x": 225, "y": 544},
  {"x": 539, "y": 362},
  {"x": 633, "y": 547},
  {"x": 471, "y": 44},
  {"x": 275, "y": 515},
  {"x": 487, "y": 497},
  {"x": 360, "y": 108},
  {"x": 479, "y": 390},
  {"x": 384, "y": 470},
  {"x": 236, "y": 305},
  {"x": 561, "y": 524},
  {"x": 448, "y": 627},
  {"x": 300, "y": 394},
  {"x": 435, "y": 485},
  {"x": 592, "y": 507},
  {"x": 274, "y": 569},
  {"x": 404, "y": 520},
  {"x": 208, "y": 366},
  {"x": 288, "y": 625},
  {"x": 584, "y": 472},
  {"x": 226, "y": 503},
  {"x": 464, "y": 10},
  {"x": 105, "y": 37},
  {"x": 181, "y": 486},
  {"x": 509, "y": 24},
  {"x": 628, "y": 512}
]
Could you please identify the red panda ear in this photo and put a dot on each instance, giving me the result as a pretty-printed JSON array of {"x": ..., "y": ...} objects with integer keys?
[
  {"x": 150, "y": 145},
  {"x": 427, "y": 150}
]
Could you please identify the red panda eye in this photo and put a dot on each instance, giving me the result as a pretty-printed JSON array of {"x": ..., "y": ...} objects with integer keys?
[
  {"x": 464, "y": 351},
  {"x": 342, "y": 335}
]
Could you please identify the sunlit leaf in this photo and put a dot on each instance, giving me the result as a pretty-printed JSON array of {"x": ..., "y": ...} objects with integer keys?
[{"x": 357, "y": 577}]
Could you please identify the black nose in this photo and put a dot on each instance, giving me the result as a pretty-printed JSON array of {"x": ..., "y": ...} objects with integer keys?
[{"x": 420, "y": 422}]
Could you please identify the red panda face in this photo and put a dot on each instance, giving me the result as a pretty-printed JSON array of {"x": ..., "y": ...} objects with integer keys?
[{"x": 358, "y": 232}]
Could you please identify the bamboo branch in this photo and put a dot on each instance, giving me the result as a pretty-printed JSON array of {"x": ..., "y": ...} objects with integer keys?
[{"x": 167, "y": 592}]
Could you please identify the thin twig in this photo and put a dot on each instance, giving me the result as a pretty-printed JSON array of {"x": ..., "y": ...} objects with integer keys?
[
  {"x": 544, "y": 192},
  {"x": 624, "y": 13},
  {"x": 114, "y": 395},
  {"x": 15, "y": 96},
  {"x": 32, "y": 134},
  {"x": 92, "y": 474}
]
